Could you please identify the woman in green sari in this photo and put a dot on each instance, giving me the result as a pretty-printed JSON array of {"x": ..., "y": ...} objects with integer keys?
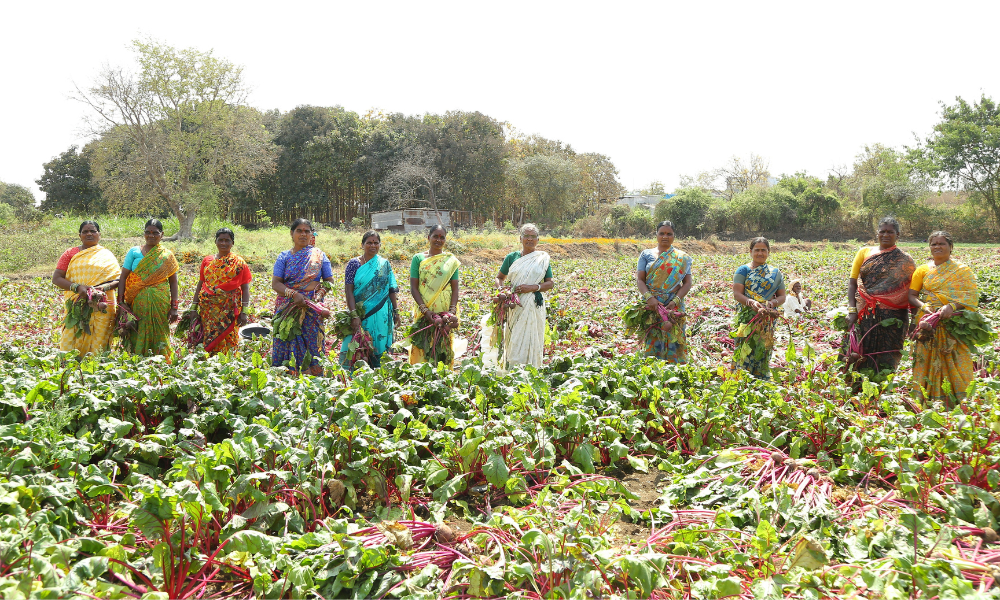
[
  {"x": 369, "y": 280},
  {"x": 663, "y": 277},
  {"x": 759, "y": 289},
  {"x": 434, "y": 287},
  {"x": 148, "y": 286}
]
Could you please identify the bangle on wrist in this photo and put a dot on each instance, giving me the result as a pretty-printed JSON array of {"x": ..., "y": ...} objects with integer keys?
[
  {"x": 647, "y": 295},
  {"x": 852, "y": 310},
  {"x": 74, "y": 287}
]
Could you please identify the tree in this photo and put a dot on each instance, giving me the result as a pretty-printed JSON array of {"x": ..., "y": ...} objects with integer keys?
[
  {"x": 814, "y": 205},
  {"x": 548, "y": 184},
  {"x": 740, "y": 176},
  {"x": 20, "y": 199},
  {"x": 183, "y": 120},
  {"x": 655, "y": 188},
  {"x": 884, "y": 183},
  {"x": 965, "y": 150},
  {"x": 599, "y": 183},
  {"x": 686, "y": 209},
  {"x": 416, "y": 172},
  {"x": 67, "y": 184}
]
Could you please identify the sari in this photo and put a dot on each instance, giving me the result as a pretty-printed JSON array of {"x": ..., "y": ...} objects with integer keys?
[
  {"x": 883, "y": 293},
  {"x": 524, "y": 331},
  {"x": 755, "y": 334},
  {"x": 92, "y": 266},
  {"x": 302, "y": 271},
  {"x": 373, "y": 282},
  {"x": 942, "y": 356},
  {"x": 435, "y": 288},
  {"x": 148, "y": 293},
  {"x": 664, "y": 277},
  {"x": 220, "y": 300}
]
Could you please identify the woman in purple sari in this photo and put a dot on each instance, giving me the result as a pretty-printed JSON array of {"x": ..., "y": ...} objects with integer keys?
[{"x": 296, "y": 278}]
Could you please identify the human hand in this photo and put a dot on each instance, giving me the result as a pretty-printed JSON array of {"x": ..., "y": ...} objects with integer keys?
[
  {"x": 298, "y": 299},
  {"x": 652, "y": 303},
  {"x": 355, "y": 324},
  {"x": 397, "y": 321},
  {"x": 173, "y": 317},
  {"x": 81, "y": 290},
  {"x": 947, "y": 311},
  {"x": 242, "y": 319},
  {"x": 852, "y": 319}
]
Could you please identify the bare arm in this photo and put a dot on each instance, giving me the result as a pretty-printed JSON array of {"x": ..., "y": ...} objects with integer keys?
[
  {"x": 121, "y": 284},
  {"x": 279, "y": 288},
  {"x": 640, "y": 283},
  {"x": 197, "y": 291},
  {"x": 60, "y": 281},
  {"x": 172, "y": 280},
  {"x": 739, "y": 290},
  {"x": 779, "y": 298}
]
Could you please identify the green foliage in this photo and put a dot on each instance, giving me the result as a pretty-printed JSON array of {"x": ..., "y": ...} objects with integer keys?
[
  {"x": 970, "y": 328},
  {"x": 687, "y": 209},
  {"x": 759, "y": 209},
  {"x": 20, "y": 200},
  {"x": 549, "y": 184},
  {"x": 625, "y": 222},
  {"x": 67, "y": 184}
]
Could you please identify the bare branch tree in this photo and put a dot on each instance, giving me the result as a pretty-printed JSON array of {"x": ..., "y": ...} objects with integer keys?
[{"x": 415, "y": 171}]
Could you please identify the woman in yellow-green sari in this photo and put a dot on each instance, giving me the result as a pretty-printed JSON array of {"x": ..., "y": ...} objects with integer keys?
[
  {"x": 79, "y": 269},
  {"x": 946, "y": 286},
  {"x": 148, "y": 287},
  {"x": 434, "y": 287},
  {"x": 663, "y": 277}
]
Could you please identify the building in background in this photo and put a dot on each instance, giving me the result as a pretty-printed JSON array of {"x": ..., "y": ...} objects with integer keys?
[{"x": 648, "y": 202}]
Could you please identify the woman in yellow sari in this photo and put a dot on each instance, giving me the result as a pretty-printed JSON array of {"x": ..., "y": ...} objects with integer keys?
[
  {"x": 434, "y": 287},
  {"x": 148, "y": 286},
  {"x": 947, "y": 286},
  {"x": 222, "y": 294},
  {"x": 80, "y": 268}
]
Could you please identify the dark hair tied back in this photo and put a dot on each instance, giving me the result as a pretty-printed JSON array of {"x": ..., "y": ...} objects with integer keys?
[
  {"x": 300, "y": 221},
  {"x": 889, "y": 221},
  {"x": 226, "y": 231},
  {"x": 947, "y": 237},
  {"x": 760, "y": 240},
  {"x": 666, "y": 224},
  {"x": 94, "y": 223},
  {"x": 368, "y": 234},
  {"x": 155, "y": 223},
  {"x": 437, "y": 227}
]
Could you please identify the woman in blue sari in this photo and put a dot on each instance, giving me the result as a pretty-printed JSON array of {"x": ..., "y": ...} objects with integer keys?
[
  {"x": 663, "y": 277},
  {"x": 369, "y": 280},
  {"x": 759, "y": 288},
  {"x": 296, "y": 278}
]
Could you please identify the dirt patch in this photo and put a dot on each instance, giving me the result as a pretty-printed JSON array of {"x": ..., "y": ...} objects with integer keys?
[{"x": 644, "y": 485}]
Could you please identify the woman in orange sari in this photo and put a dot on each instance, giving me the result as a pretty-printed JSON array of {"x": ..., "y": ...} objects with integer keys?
[
  {"x": 223, "y": 292},
  {"x": 148, "y": 286}
]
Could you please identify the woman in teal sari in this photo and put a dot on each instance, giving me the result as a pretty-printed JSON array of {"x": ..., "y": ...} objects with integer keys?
[
  {"x": 759, "y": 288},
  {"x": 369, "y": 280},
  {"x": 663, "y": 277}
]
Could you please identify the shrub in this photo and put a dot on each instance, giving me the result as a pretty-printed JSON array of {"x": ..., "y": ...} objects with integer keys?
[{"x": 687, "y": 210}]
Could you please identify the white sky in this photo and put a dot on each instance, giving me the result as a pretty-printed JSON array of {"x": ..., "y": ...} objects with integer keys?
[{"x": 664, "y": 88}]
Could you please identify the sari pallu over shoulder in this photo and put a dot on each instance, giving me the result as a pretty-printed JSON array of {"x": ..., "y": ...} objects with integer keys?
[
  {"x": 373, "y": 282},
  {"x": 755, "y": 335},
  {"x": 942, "y": 357},
  {"x": 92, "y": 266},
  {"x": 524, "y": 335},
  {"x": 434, "y": 284},
  {"x": 664, "y": 278},
  {"x": 148, "y": 293},
  {"x": 220, "y": 300},
  {"x": 883, "y": 294}
]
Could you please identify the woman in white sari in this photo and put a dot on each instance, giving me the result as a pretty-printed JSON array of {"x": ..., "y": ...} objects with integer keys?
[{"x": 530, "y": 274}]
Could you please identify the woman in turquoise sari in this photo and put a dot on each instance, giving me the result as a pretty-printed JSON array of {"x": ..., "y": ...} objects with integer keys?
[
  {"x": 369, "y": 280},
  {"x": 664, "y": 278},
  {"x": 759, "y": 288}
]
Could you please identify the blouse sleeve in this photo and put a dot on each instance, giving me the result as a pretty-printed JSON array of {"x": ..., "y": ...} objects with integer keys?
[
  {"x": 327, "y": 269},
  {"x": 644, "y": 260},
  {"x": 859, "y": 260},
  {"x": 740, "y": 277},
  {"x": 351, "y": 270},
  {"x": 917, "y": 280},
  {"x": 415, "y": 266},
  {"x": 279, "y": 265},
  {"x": 67, "y": 256}
]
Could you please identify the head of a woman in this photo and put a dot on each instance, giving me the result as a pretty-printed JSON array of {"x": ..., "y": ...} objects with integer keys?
[
  {"x": 888, "y": 232},
  {"x": 796, "y": 287},
  {"x": 529, "y": 238},
  {"x": 665, "y": 235},
  {"x": 941, "y": 244},
  {"x": 152, "y": 231},
  {"x": 224, "y": 240},
  {"x": 302, "y": 232},
  {"x": 760, "y": 250},
  {"x": 90, "y": 234},
  {"x": 436, "y": 237},
  {"x": 371, "y": 242}
]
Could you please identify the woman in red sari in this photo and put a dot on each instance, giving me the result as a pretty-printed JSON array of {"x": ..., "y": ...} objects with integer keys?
[{"x": 222, "y": 294}]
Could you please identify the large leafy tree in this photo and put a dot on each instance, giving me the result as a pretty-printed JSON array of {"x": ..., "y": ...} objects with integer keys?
[
  {"x": 67, "y": 184},
  {"x": 185, "y": 128},
  {"x": 686, "y": 209},
  {"x": 548, "y": 183},
  {"x": 884, "y": 183},
  {"x": 964, "y": 149}
]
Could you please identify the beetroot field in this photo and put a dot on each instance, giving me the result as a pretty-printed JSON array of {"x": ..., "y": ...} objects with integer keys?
[{"x": 602, "y": 475}]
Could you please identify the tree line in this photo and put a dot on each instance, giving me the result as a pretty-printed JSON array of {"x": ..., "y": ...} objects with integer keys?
[{"x": 176, "y": 136}]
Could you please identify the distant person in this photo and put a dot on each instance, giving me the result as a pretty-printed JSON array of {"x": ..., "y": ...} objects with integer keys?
[
  {"x": 796, "y": 304},
  {"x": 530, "y": 273},
  {"x": 434, "y": 287},
  {"x": 222, "y": 294},
  {"x": 759, "y": 289},
  {"x": 946, "y": 286},
  {"x": 663, "y": 278},
  {"x": 148, "y": 286},
  {"x": 296, "y": 278},
  {"x": 81, "y": 267},
  {"x": 368, "y": 279},
  {"x": 880, "y": 280}
]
